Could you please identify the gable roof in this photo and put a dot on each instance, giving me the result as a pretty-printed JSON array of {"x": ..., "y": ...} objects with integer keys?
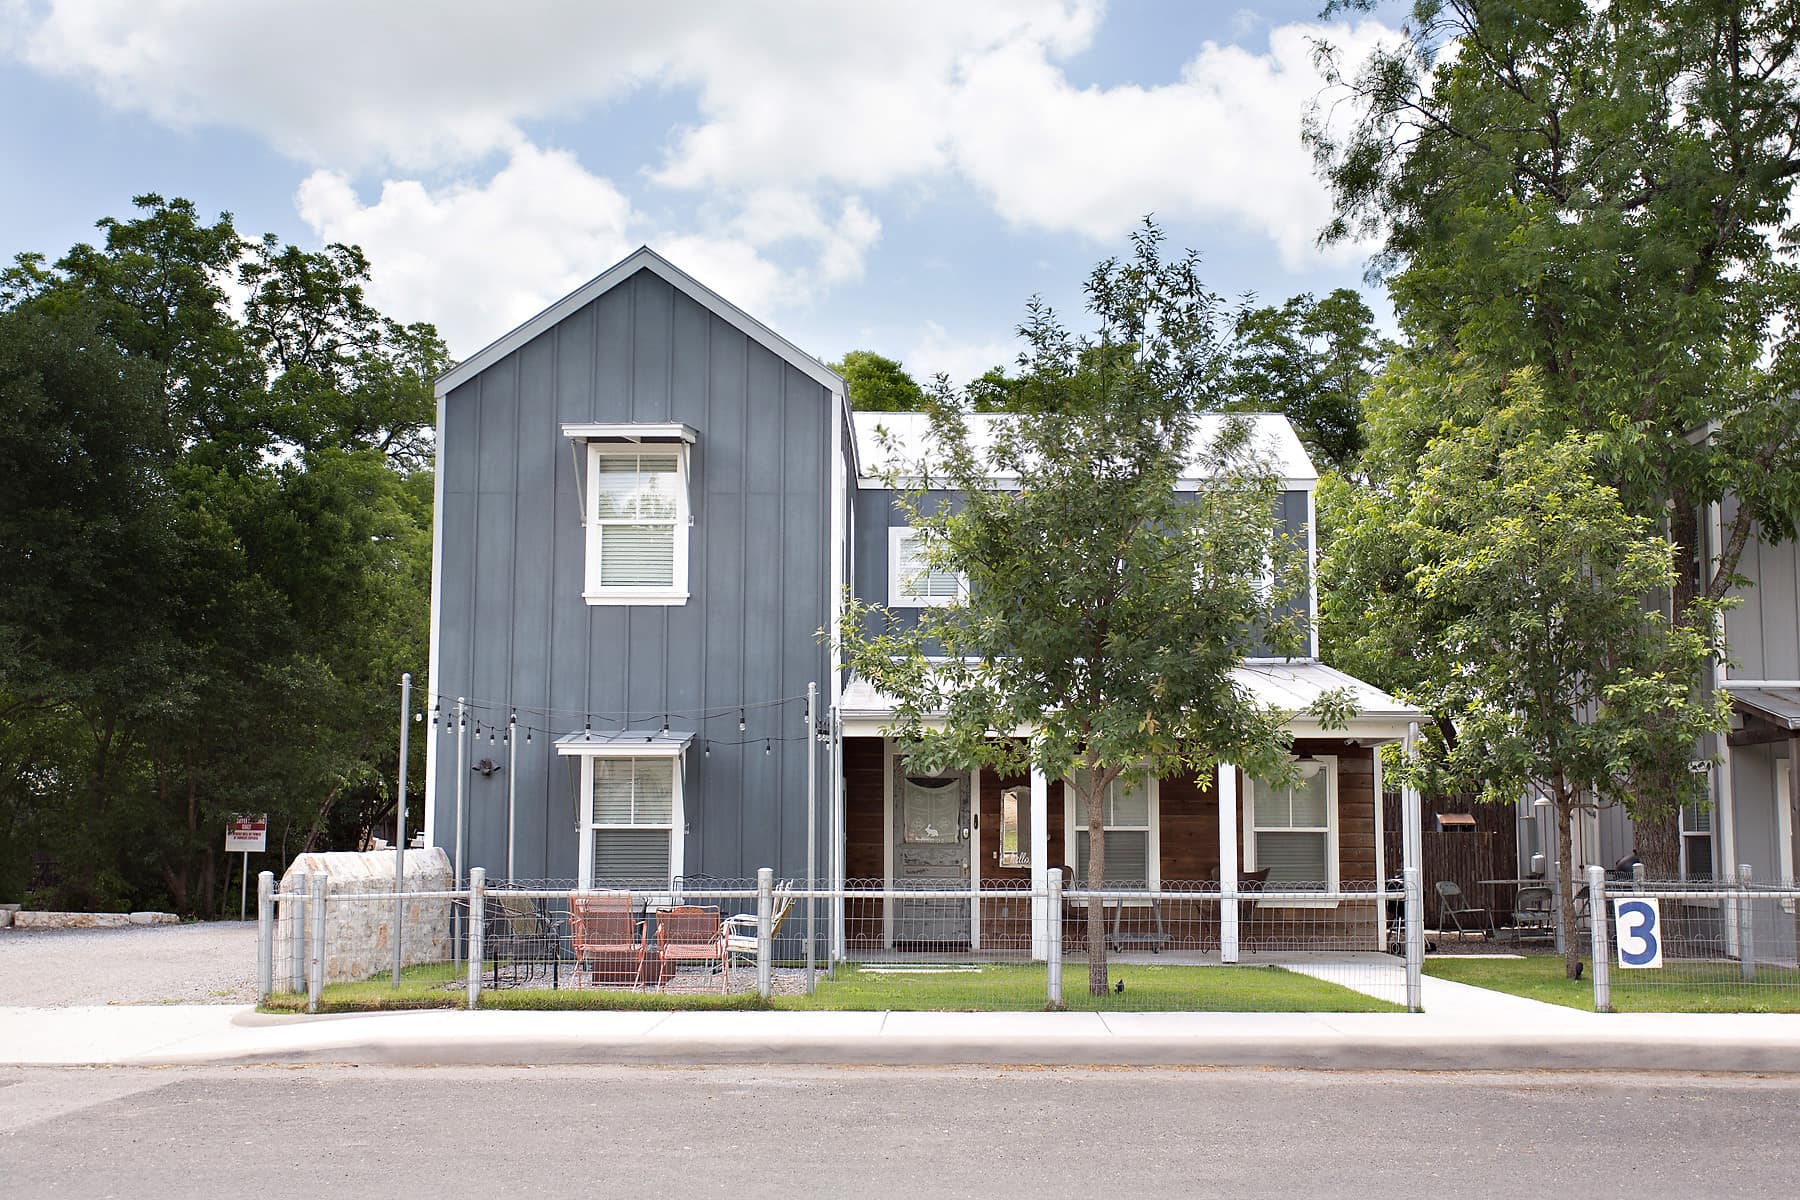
[{"x": 642, "y": 259}]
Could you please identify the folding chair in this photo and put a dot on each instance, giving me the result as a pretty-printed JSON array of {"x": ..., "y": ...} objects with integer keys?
[{"x": 1452, "y": 904}]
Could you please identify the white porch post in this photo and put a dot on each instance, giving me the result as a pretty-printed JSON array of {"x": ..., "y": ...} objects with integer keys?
[
  {"x": 1411, "y": 853},
  {"x": 1228, "y": 863},
  {"x": 1040, "y": 866},
  {"x": 584, "y": 813},
  {"x": 1381, "y": 874}
]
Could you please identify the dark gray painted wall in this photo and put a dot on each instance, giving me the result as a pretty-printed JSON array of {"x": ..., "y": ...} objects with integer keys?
[
  {"x": 513, "y": 626},
  {"x": 875, "y": 513}
]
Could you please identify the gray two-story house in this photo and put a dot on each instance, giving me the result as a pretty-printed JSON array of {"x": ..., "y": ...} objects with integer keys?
[{"x": 651, "y": 508}]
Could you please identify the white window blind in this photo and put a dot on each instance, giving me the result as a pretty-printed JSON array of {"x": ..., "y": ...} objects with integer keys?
[
  {"x": 637, "y": 511},
  {"x": 1292, "y": 827},
  {"x": 634, "y": 813},
  {"x": 1125, "y": 812},
  {"x": 914, "y": 581}
]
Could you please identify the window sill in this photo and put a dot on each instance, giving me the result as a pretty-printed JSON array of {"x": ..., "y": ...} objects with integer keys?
[{"x": 644, "y": 598}]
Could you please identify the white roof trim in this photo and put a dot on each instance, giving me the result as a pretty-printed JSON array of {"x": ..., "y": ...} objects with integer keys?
[
  {"x": 630, "y": 432},
  {"x": 641, "y": 259},
  {"x": 630, "y": 743}
]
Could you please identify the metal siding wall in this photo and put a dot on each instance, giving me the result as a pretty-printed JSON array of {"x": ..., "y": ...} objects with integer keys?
[{"x": 514, "y": 626}]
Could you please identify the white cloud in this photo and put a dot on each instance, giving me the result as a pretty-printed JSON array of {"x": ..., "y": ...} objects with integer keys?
[
  {"x": 803, "y": 110},
  {"x": 936, "y": 352},
  {"x": 1223, "y": 141},
  {"x": 478, "y": 258},
  {"x": 347, "y": 84}
]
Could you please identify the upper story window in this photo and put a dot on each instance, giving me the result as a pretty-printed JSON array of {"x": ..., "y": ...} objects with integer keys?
[
  {"x": 912, "y": 581},
  {"x": 637, "y": 523}
]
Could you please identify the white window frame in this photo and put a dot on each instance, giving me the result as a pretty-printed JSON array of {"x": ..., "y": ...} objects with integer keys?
[
  {"x": 1686, "y": 835},
  {"x": 593, "y": 591},
  {"x": 1075, "y": 824},
  {"x": 1331, "y": 830},
  {"x": 898, "y": 596},
  {"x": 587, "y": 827}
]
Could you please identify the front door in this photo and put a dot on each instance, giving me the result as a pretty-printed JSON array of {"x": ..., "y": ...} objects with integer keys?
[{"x": 931, "y": 850}]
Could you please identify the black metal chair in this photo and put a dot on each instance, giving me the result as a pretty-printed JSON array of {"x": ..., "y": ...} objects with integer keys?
[
  {"x": 1453, "y": 904},
  {"x": 521, "y": 934}
]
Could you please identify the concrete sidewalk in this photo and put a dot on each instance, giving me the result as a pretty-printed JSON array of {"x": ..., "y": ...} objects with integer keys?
[{"x": 1520, "y": 1035}]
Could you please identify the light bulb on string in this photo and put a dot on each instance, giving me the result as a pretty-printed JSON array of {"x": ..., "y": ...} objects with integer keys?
[
  {"x": 665, "y": 728},
  {"x": 768, "y": 748},
  {"x": 740, "y": 720}
]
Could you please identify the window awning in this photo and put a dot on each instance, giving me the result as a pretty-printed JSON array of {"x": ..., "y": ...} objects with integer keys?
[
  {"x": 1777, "y": 705},
  {"x": 628, "y": 743},
  {"x": 672, "y": 431}
]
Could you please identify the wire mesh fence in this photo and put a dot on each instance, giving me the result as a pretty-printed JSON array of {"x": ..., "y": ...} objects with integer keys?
[
  {"x": 1671, "y": 945},
  {"x": 924, "y": 944}
]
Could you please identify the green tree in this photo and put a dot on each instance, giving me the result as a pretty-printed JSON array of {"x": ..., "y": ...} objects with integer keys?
[
  {"x": 1510, "y": 585},
  {"x": 1104, "y": 610},
  {"x": 222, "y": 535},
  {"x": 1601, "y": 193},
  {"x": 878, "y": 384},
  {"x": 1313, "y": 361}
]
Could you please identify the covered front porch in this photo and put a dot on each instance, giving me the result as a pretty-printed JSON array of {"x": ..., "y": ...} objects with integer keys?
[{"x": 1216, "y": 869}]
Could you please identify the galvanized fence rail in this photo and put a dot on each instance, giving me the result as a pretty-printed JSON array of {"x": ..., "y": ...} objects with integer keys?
[
  {"x": 925, "y": 944},
  {"x": 1692, "y": 945}
]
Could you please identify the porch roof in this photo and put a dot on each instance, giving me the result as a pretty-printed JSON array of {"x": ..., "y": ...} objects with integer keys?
[
  {"x": 623, "y": 743},
  {"x": 1293, "y": 685},
  {"x": 1777, "y": 705}
]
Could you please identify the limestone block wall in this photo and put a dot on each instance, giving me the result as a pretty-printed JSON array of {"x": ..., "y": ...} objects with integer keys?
[{"x": 359, "y": 933}]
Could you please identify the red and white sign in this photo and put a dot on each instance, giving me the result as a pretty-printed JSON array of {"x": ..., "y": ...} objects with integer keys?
[{"x": 246, "y": 835}]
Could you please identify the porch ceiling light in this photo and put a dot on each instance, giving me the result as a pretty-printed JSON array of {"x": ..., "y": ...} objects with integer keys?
[{"x": 1309, "y": 766}]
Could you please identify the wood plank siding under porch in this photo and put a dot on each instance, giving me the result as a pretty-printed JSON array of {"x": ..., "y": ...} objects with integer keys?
[{"x": 1187, "y": 858}]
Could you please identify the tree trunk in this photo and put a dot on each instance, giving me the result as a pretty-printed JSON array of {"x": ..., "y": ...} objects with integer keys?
[
  {"x": 1565, "y": 872},
  {"x": 1657, "y": 842},
  {"x": 1091, "y": 796},
  {"x": 1656, "y": 833}
]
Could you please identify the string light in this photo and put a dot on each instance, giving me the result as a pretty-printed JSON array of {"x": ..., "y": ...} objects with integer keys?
[
  {"x": 665, "y": 728},
  {"x": 740, "y": 720},
  {"x": 767, "y": 748},
  {"x": 706, "y": 750}
]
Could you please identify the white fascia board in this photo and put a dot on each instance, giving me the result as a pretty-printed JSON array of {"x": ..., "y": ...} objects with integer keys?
[
  {"x": 629, "y": 432},
  {"x": 433, "y": 685},
  {"x": 1291, "y": 483},
  {"x": 641, "y": 259}
]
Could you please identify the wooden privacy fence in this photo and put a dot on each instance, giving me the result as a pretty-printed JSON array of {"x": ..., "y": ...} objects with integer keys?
[{"x": 1465, "y": 856}]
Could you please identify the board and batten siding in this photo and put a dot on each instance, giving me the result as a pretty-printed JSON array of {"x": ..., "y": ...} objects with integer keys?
[
  {"x": 1763, "y": 631},
  {"x": 875, "y": 512},
  {"x": 513, "y": 626}
]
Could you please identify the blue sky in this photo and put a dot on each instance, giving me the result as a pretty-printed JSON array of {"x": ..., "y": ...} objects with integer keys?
[{"x": 894, "y": 177}]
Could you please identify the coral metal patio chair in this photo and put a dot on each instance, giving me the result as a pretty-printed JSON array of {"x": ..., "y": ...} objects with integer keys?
[
  {"x": 610, "y": 944},
  {"x": 690, "y": 933}
]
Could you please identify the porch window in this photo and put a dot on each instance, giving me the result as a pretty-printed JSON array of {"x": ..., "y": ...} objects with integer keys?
[
  {"x": 633, "y": 820},
  {"x": 1293, "y": 828},
  {"x": 637, "y": 524},
  {"x": 1128, "y": 813},
  {"x": 912, "y": 581}
]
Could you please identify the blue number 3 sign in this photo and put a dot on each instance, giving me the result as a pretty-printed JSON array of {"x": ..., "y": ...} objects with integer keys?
[{"x": 1640, "y": 932}]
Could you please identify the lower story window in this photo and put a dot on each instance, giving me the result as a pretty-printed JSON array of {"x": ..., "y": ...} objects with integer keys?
[
  {"x": 1696, "y": 841},
  {"x": 1292, "y": 827},
  {"x": 633, "y": 827},
  {"x": 1128, "y": 815}
]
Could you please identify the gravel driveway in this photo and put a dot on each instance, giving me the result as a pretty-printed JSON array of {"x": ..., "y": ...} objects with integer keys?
[{"x": 213, "y": 963}]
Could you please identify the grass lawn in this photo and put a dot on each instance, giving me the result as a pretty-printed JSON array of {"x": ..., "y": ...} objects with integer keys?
[
  {"x": 994, "y": 987},
  {"x": 1677, "y": 988},
  {"x": 1019, "y": 987}
]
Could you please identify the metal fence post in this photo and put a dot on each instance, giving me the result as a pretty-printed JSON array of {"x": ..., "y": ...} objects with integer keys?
[
  {"x": 477, "y": 931},
  {"x": 1415, "y": 941},
  {"x": 812, "y": 821},
  {"x": 1053, "y": 942},
  {"x": 297, "y": 910},
  {"x": 1599, "y": 955},
  {"x": 265, "y": 936},
  {"x": 1746, "y": 926},
  {"x": 315, "y": 985},
  {"x": 765, "y": 919}
]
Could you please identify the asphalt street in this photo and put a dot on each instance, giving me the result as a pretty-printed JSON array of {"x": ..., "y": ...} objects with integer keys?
[{"x": 923, "y": 1132}]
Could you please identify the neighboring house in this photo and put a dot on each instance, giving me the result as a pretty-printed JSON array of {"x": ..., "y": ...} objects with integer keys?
[
  {"x": 1753, "y": 818},
  {"x": 650, "y": 508}
]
